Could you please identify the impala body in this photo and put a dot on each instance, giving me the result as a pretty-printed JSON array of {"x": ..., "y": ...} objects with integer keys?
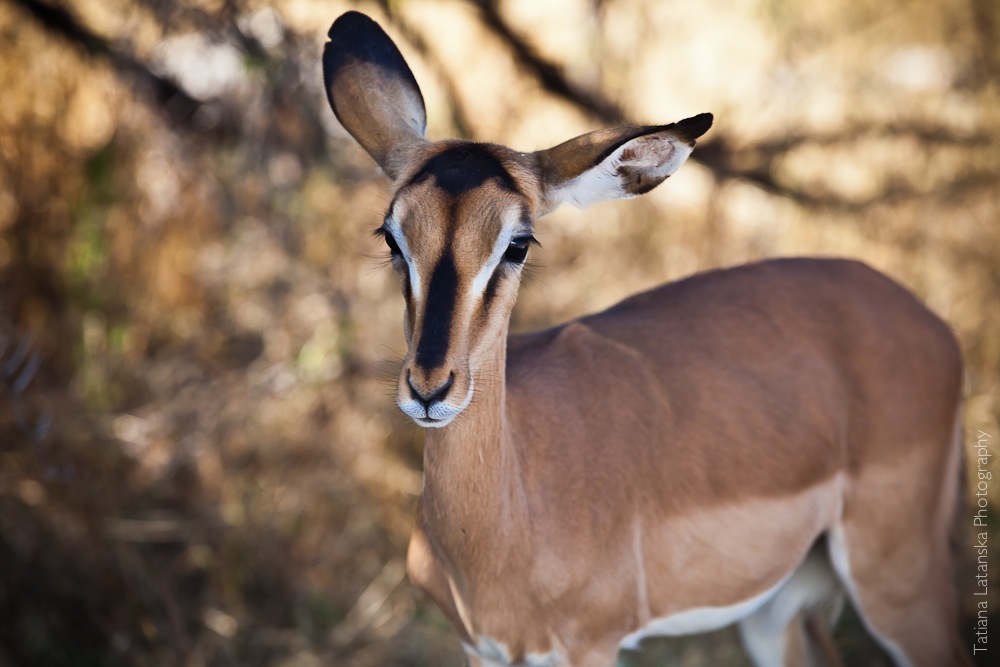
[{"x": 746, "y": 446}]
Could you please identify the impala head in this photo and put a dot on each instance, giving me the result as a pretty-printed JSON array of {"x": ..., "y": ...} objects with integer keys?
[{"x": 461, "y": 220}]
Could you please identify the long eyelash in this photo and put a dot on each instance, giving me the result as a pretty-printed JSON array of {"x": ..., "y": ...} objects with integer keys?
[{"x": 529, "y": 239}]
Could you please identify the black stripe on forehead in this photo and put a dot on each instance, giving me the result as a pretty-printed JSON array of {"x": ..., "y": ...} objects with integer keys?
[
  {"x": 465, "y": 167},
  {"x": 442, "y": 293}
]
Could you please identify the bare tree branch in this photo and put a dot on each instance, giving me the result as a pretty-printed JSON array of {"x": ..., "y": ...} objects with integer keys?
[
  {"x": 459, "y": 119},
  {"x": 175, "y": 102},
  {"x": 548, "y": 74}
]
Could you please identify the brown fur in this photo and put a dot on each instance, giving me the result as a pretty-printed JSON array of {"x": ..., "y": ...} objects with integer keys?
[{"x": 747, "y": 388}]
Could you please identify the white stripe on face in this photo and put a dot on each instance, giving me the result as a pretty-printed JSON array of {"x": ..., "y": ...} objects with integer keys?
[
  {"x": 511, "y": 228},
  {"x": 394, "y": 228}
]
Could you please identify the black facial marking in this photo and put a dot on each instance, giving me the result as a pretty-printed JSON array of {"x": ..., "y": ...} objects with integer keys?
[
  {"x": 491, "y": 288},
  {"x": 407, "y": 289},
  {"x": 441, "y": 296},
  {"x": 462, "y": 168}
]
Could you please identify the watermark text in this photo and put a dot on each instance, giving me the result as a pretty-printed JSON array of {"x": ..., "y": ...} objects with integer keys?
[{"x": 980, "y": 521}]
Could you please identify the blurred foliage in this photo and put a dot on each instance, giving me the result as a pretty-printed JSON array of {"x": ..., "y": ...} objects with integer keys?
[{"x": 200, "y": 460}]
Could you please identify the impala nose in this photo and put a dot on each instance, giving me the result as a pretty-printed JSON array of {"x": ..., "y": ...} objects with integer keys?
[{"x": 429, "y": 398}]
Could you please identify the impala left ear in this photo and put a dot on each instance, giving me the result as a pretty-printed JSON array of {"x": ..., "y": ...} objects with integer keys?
[
  {"x": 617, "y": 163},
  {"x": 372, "y": 90}
]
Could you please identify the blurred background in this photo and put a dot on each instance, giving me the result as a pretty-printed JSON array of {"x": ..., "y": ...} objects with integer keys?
[{"x": 200, "y": 458}]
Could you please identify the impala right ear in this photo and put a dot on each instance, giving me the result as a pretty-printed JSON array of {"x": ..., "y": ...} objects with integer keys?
[
  {"x": 616, "y": 163},
  {"x": 372, "y": 90}
]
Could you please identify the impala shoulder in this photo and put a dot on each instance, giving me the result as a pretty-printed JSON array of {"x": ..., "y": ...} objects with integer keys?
[{"x": 583, "y": 344}]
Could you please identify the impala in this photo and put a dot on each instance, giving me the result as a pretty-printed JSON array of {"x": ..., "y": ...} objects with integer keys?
[{"x": 750, "y": 445}]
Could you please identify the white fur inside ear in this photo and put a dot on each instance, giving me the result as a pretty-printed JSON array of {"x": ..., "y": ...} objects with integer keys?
[
  {"x": 655, "y": 155},
  {"x": 652, "y": 158}
]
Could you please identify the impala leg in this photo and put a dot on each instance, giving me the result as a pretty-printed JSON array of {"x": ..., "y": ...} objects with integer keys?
[
  {"x": 792, "y": 628},
  {"x": 908, "y": 604},
  {"x": 896, "y": 565},
  {"x": 817, "y": 627}
]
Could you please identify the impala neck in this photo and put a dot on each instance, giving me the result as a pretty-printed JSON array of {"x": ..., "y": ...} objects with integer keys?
[{"x": 472, "y": 495}]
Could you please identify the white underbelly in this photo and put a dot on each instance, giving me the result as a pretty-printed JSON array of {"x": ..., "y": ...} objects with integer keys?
[{"x": 701, "y": 619}]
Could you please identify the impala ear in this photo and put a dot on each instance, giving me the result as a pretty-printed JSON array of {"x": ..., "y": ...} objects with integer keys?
[
  {"x": 372, "y": 91},
  {"x": 616, "y": 163}
]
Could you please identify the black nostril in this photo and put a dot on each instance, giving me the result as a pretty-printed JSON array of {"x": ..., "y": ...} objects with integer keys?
[
  {"x": 413, "y": 390},
  {"x": 435, "y": 396},
  {"x": 442, "y": 391}
]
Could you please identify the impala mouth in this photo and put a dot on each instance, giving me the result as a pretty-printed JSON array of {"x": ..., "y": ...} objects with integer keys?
[
  {"x": 430, "y": 422},
  {"x": 435, "y": 415},
  {"x": 427, "y": 421}
]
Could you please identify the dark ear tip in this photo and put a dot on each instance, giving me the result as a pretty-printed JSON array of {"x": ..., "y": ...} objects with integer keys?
[
  {"x": 349, "y": 22},
  {"x": 692, "y": 128}
]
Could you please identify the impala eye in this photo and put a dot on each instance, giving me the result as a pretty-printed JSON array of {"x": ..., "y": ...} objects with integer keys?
[
  {"x": 393, "y": 246},
  {"x": 390, "y": 242},
  {"x": 517, "y": 251}
]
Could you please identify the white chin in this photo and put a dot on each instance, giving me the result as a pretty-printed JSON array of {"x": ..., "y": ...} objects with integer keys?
[
  {"x": 440, "y": 414},
  {"x": 432, "y": 423}
]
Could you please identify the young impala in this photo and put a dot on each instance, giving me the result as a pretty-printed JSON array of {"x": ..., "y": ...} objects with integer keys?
[{"x": 744, "y": 446}]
